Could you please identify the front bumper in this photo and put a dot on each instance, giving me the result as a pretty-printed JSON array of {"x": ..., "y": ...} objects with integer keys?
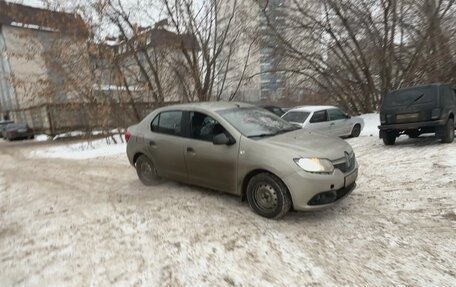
[{"x": 305, "y": 188}]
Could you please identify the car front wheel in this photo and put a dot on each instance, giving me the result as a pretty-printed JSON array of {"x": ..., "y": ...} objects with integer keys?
[
  {"x": 448, "y": 132},
  {"x": 146, "y": 171},
  {"x": 268, "y": 196}
]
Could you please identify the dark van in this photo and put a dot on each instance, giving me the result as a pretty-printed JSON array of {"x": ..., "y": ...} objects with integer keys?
[{"x": 417, "y": 110}]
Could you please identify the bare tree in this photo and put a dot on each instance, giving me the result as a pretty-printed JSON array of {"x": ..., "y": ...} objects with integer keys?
[
  {"x": 214, "y": 27},
  {"x": 355, "y": 51}
]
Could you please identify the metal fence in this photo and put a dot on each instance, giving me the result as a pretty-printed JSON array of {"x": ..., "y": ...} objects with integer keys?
[{"x": 53, "y": 119}]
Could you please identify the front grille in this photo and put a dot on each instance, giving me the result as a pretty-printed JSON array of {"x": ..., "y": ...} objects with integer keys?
[
  {"x": 331, "y": 196},
  {"x": 346, "y": 164}
]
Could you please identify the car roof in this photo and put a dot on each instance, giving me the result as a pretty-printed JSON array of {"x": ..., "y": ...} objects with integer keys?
[
  {"x": 17, "y": 124},
  {"x": 422, "y": 86},
  {"x": 209, "y": 106},
  {"x": 311, "y": 108}
]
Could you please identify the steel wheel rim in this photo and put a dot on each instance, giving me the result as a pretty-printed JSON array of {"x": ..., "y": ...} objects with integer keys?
[
  {"x": 265, "y": 197},
  {"x": 357, "y": 131},
  {"x": 147, "y": 170}
]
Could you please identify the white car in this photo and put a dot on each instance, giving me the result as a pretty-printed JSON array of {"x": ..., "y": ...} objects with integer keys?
[{"x": 328, "y": 120}]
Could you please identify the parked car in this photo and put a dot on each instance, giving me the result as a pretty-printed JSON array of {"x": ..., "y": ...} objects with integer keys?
[
  {"x": 417, "y": 110},
  {"x": 244, "y": 150},
  {"x": 325, "y": 119},
  {"x": 275, "y": 110},
  {"x": 3, "y": 125},
  {"x": 18, "y": 131}
]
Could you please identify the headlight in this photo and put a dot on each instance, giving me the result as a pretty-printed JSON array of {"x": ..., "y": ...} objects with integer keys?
[{"x": 315, "y": 165}]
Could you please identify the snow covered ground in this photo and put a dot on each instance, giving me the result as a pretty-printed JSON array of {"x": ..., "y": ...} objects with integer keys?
[
  {"x": 83, "y": 150},
  {"x": 91, "y": 223},
  {"x": 371, "y": 123}
]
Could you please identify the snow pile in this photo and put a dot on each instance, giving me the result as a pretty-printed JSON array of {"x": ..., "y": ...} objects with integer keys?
[
  {"x": 84, "y": 150},
  {"x": 371, "y": 123},
  {"x": 42, "y": 138}
]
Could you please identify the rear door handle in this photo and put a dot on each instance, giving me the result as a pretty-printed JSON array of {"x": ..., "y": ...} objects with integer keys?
[
  {"x": 332, "y": 124},
  {"x": 191, "y": 150},
  {"x": 152, "y": 144}
]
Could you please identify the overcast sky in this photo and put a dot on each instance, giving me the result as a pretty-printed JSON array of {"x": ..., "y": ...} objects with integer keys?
[{"x": 143, "y": 17}]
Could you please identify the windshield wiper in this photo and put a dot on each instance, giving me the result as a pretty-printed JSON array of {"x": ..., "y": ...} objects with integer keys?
[
  {"x": 414, "y": 101},
  {"x": 263, "y": 135},
  {"x": 276, "y": 133},
  {"x": 288, "y": 130}
]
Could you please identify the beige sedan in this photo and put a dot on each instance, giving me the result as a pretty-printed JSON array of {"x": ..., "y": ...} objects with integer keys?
[{"x": 243, "y": 150}]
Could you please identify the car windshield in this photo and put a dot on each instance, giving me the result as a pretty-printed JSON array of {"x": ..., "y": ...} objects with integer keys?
[
  {"x": 296, "y": 117},
  {"x": 256, "y": 122}
]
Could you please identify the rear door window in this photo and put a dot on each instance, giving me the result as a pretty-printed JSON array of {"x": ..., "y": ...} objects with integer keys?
[
  {"x": 169, "y": 123},
  {"x": 319, "y": 117},
  {"x": 336, "y": 114},
  {"x": 296, "y": 117}
]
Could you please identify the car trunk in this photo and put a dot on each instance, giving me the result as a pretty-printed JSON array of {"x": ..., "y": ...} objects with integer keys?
[{"x": 410, "y": 105}]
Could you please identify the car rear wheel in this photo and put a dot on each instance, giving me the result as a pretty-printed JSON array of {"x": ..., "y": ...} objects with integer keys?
[
  {"x": 268, "y": 196},
  {"x": 356, "y": 131},
  {"x": 448, "y": 132},
  {"x": 146, "y": 171},
  {"x": 389, "y": 138}
]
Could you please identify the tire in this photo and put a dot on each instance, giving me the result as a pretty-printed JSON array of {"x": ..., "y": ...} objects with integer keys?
[
  {"x": 356, "y": 131},
  {"x": 268, "y": 196},
  {"x": 389, "y": 138},
  {"x": 146, "y": 171},
  {"x": 448, "y": 132},
  {"x": 413, "y": 134}
]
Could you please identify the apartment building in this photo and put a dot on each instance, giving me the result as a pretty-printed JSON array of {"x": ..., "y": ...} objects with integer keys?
[{"x": 27, "y": 73}]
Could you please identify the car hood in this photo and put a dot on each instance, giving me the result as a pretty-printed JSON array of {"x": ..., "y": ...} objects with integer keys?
[{"x": 304, "y": 143}]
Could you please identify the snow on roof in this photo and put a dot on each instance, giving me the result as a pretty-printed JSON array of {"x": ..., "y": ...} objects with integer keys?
[
  {"x": 33, "y": 26},
  {"x": 116, "y": 88},
  {"x": 312, "y": 108},
  {"x": 18, "y": 15}
]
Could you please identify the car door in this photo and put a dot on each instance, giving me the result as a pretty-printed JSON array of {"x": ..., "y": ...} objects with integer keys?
[
  {"x": 319, "y": 122},
  {"x": 339, "y": 123},
  {"x": 165, "y": 145},
  {"x": 209, "y": 165}
]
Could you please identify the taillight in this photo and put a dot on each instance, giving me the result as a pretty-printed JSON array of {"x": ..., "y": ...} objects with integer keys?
[{"x": 127, "y": 136}]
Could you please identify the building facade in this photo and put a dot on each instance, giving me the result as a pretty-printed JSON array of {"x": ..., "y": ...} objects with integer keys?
[{"x": 28, "y": 37}]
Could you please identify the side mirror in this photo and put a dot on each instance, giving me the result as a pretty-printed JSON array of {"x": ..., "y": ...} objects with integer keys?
[
  {"x": 221, "y": 139},
  {"x": 348, "y": 116}
]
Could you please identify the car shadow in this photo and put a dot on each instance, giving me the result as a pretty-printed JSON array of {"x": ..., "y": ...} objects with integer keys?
[{"x": 423, "y": 140}]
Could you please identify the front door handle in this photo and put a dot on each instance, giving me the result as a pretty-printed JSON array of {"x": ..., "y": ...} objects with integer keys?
[
  {"x": 152, "y": 144},
  {"x": 332, "y": 124},
  {"x": 191, "y": 150}
]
